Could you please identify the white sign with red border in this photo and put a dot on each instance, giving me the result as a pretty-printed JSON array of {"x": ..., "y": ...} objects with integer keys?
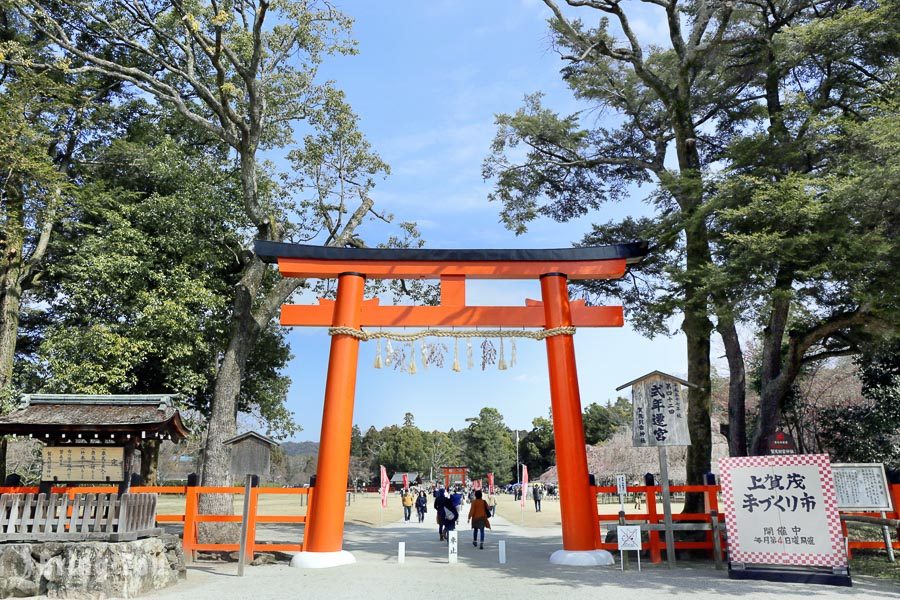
[{"x": 782, "y": 510}]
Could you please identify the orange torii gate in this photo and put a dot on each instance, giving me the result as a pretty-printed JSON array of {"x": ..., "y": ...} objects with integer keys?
[
  {"x": 450, "y": 472},
  {"x": 350, "y": 312}
]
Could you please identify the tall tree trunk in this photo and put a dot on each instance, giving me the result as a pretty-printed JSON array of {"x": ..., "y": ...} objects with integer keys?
[
  {"x": 772, "y": 388},
  {"x": 737, "y": 385},
  {"x": 688, "y": 191},
  {"x": 243, "y": 335},
  {"x": 10, "y": 304}
]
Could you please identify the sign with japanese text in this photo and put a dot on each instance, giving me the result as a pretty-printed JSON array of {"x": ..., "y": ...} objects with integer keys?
[
  {"x": 861, "y": 486},
  {"x": 82, "y": 463},
  {"x": 782, "y": 510},
  {"x": 659, "y": 413},
  {"x": 621, "y": 485},
  {"x": 780, "y": 443}
]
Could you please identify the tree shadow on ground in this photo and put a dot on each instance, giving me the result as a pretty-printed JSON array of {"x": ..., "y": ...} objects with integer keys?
[{"x": 528, "y": 560}]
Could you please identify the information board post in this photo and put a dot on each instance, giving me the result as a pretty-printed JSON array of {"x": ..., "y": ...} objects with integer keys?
[
  {"x": 629, "y": 538},
  {"x": 659, "y": 418},
  {"x": 888, "y": 544},
  {"x": 864, "y": 487},
  {"x": 667, "y": 505}
]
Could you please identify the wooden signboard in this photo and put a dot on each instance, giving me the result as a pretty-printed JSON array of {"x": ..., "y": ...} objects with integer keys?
[
  {"x": 83, "y": 463},
  {"x": 861, "y": 487},
  {"x": 659, "y": 413}
]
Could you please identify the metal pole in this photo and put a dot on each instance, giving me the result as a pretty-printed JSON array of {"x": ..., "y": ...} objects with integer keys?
[
  {"x": 242, "y": 551},
  {"x": 717, "y": 540},
  {"x": 518, "y": 468},
  {"x": 623, "y": 555},
  {"x": 888, "y": 545},
  {"x": 667, "y": 506}
]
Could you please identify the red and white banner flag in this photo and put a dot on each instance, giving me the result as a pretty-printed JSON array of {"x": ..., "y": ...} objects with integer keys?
[
  {"x": 385, "y": 484},
  {"x": 405, "y": 481},
  {"x": 524, "y": 483},
  {"x": 491, "y": 484},
  {"x": 476, "y": 484}
]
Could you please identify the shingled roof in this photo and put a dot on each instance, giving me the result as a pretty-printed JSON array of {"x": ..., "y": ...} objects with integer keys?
[{"x": 53, "y": 415}]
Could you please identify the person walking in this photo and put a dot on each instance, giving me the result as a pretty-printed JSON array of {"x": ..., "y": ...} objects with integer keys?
[
  {"x": 422, "y": 506},
  {"x": 407, "y": 500},
  {"x": 457, "y": 498},
  {"x": 478, "y": 515},
  {"x": 492, "y": 504},
  {"x": 537, "y": 494},
  {"x": 446, "y": 515}
]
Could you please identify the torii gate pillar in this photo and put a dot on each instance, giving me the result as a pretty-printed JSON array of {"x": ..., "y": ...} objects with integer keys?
[
  {"x": 578, "y": 507},
  {"x": 324, "y": 533}
]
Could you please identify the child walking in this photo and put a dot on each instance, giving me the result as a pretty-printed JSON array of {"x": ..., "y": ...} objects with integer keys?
[{"x": 478, "y": 514}]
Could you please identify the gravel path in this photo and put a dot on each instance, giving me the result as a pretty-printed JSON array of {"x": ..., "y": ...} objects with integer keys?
[{"x": 528, "y": 572}]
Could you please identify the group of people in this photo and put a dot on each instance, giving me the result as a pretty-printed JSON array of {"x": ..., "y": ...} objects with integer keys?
[
  {"x": 410, "y": 499},
  {"x": 537, "y": 494},
  {"x": 448, "y": 506}
]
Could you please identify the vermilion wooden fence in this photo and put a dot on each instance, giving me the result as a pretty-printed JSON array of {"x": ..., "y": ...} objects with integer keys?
[
  {"x": 192, "y": 516},
  {"x": 656, "y": 543},
  {"x": 859, "y": 544}
]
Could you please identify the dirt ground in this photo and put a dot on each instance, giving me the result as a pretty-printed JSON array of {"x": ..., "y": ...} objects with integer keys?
[
  {"x": 527, "y": 572},
  {"x": 365, "y": 509}
]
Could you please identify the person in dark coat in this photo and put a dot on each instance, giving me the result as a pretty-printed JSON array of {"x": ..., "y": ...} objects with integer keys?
[
  {"x": 446, "y": 514},
  {"x": 537, "y": 494},
  {"x": 421, "y": 506}
]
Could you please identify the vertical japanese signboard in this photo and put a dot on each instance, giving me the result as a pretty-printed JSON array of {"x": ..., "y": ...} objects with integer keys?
[
  {"x": 782, "y": 510},
  {"x": 861, "y": 486},
  {"x": 659, "y": 413}
]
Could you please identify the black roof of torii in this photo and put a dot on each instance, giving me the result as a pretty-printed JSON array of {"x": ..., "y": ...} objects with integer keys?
[{"x": 270, "y": 252}]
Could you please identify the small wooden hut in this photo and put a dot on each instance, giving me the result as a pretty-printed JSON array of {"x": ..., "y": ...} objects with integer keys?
[{"x": 251, "y": 454}]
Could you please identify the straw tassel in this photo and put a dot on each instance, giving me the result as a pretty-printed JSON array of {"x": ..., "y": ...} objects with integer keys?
[
  {"x": 456, "y": 367},
  {"x": 378, "y": 355},
  {"x": 501, "y": 364},
  {"x": 470, "y": 358},
  {"x": 389, "y": 354},
  {"x": 425, "y": 353},
  {"x": 412, "y": 360},
  {"x": 512, "y": 352}
]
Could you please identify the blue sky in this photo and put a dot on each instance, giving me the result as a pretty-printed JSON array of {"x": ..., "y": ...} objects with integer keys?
[{"x": 427, "y": 83}]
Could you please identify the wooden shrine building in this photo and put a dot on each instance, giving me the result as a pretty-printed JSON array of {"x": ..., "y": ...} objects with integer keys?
[
  {"x": 251, "y": 454},
  {"x": 92, "y": 438}
]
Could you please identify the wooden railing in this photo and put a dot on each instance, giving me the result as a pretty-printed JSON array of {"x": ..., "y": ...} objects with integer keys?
[
  {"x": 653, "y": 516},
  {"x": 895, "y": 514},
  {"x": 81, "y": 516},
  {"x": 192, "y": 517}
]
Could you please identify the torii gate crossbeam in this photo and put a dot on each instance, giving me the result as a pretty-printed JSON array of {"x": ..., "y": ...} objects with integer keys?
[{"x": 351, "y": 267}]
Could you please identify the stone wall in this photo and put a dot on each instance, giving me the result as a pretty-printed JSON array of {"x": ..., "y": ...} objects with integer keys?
[{"x": 90, "y": 569}]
